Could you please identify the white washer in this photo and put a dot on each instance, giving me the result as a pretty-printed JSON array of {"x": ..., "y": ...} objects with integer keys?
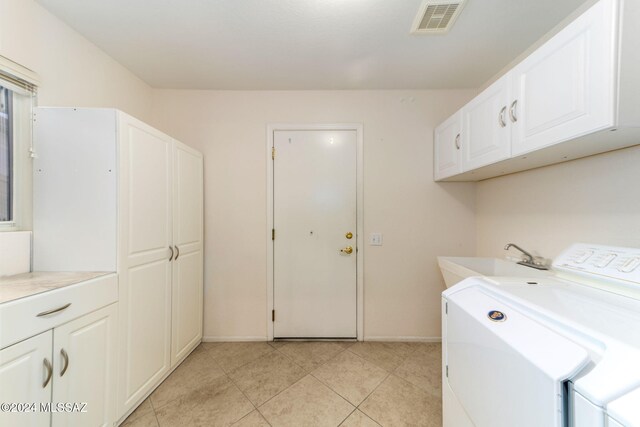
[{"x": 552, "y": 351}]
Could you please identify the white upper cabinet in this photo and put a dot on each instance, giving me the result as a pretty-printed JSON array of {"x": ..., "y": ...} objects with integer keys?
[
  {"x": 575, "y": 96},
  {"x": 447, "y": 144},
  {"x": 566, "y": 87},
  {"x": 486, "y": 135}
]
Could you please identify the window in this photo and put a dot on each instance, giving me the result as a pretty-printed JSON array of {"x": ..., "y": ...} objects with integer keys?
[
  {"x": 6, "y": 155},
  {"x": 17, "y": 97}
]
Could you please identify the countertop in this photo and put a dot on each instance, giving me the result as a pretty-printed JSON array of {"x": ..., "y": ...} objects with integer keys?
[{"x": 27, "y": 284}]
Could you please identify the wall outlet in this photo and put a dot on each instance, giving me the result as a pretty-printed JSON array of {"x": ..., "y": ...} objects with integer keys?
[{"x": 375, "y": 239}]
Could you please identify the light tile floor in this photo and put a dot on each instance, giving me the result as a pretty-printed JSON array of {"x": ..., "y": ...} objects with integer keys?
[{"x": 299, "y": 384}]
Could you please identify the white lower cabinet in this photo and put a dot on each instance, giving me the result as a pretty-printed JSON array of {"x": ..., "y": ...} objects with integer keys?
[
  {"x": 84, "y": 353},
  {"x": 71, "y": 365},
  {"x": 25, "y": 378}
]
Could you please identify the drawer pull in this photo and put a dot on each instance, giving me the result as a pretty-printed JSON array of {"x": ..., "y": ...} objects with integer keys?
[
  {"x": 49, "y": 368},
  {"x": 65, "y": 356},
  {"x": 55, "y": 310}
]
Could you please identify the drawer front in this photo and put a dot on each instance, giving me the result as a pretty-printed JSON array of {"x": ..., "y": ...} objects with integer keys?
[{"x": 19, "y": 319}]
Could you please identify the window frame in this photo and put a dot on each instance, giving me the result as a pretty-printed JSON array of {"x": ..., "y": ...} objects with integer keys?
[
  {"x": 23, "y": 84},
  {"x": 20, "y": 164}
]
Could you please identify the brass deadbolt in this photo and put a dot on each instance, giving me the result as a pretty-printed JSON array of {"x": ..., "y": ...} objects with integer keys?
[{"x": 349, "y": 235}]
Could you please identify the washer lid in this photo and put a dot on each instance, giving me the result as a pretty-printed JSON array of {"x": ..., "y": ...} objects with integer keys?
[
  {"x": 606, "y": 323},
  {"x": 494, "y": 352}
]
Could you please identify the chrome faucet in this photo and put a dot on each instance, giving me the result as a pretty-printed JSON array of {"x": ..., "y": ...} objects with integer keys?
[{"x": 529, "y": 260}]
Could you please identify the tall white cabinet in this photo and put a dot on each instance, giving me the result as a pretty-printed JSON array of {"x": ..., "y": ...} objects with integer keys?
[{"x": 111, "y": 193}]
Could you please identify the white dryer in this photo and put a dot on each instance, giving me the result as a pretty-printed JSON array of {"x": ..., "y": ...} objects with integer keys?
[
  {"x": 625, "y": 411},
  {"x": 553, "y": 351}
]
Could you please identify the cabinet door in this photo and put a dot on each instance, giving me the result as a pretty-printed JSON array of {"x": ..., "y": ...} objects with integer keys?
[
  {"x": 486, "y": 135},
  {"x": 144, "y": 257},
  {"x": 187, "y": 283},
  {"x": 566, "y": 88},
  {"x": 447, "y": 145},
  {"x": 23, "y": 372},
  {"x": 84, "y": 370}
]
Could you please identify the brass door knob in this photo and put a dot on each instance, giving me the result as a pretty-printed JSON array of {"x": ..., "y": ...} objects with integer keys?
[
  {"x": 348, "y": 250},
  {"x": 349, "y": 235}
]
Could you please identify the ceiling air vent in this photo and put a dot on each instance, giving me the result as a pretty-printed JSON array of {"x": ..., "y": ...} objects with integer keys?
[{"x": 436, "y": 16}]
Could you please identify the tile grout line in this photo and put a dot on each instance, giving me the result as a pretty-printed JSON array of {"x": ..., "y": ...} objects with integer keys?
[
  {"x": 347, "y": 417},
  {"x": 255, "y": 408},
  {"x": 279, "y": 393}
]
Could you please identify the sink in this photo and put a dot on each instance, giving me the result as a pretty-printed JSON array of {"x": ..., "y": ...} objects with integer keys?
[{"x": 455, "y": 269}]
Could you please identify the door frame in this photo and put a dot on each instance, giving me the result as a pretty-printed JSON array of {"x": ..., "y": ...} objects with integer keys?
[{"x": 358, "y": 128}]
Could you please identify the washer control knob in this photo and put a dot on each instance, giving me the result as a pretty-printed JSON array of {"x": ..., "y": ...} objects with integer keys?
[
  {"x": 582, "y": 257},
  {"x": 606, "y": 260},
  {"x": 630, "y": 265}
]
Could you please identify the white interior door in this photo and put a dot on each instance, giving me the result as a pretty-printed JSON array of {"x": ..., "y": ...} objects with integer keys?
[{"x": 314, "y": 213}]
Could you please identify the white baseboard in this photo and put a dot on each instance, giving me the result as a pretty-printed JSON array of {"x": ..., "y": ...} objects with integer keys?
[
  {"x": 403, "y": 338},
  {"x": 369, "y": 338},
  {"x": 233, "y": 339}
]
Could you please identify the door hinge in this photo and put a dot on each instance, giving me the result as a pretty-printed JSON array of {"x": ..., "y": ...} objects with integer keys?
[
  {"x": 273, "y": 234},
  {"x": 273, "y": 153},
  {"x": 447, "y": 371},
  {"x": 273, "y": 315}
]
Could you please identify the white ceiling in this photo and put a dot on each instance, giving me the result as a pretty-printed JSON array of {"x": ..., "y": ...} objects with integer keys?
[{"x": 308, "y": 44}]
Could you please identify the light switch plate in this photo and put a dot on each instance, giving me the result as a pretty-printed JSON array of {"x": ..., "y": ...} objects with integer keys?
[{"x": 375, "y": 239}]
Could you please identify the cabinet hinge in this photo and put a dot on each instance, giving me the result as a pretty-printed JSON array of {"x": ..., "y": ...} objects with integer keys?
[
  {"x": 446, "y": 308},
  {"x": 273, "y": 315},
  {"x": 273, "y": 234},
  {"x": 273, "y": 153},
  {"x": 447, "y": 371}
]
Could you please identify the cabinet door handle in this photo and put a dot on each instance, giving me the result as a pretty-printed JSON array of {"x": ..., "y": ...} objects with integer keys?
[
  {"x": 49, "y": 368},
  {"x": 457, "y": 141},
  {"x": 65, "y": 357},
  {"x": 171, "y": 256},
  {"x": 177, "y": 253},
  {"x": 501, "y": 120},
  {"x": 512, "y": 111},
  {"x": 55, "y": 310}
]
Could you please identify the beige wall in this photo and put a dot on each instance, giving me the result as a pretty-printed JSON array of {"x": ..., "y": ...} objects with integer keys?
[
  {"x": 592, "y": 200},
  {"x": 73, "y": 71},
  {"x": 420, "y": 219}
]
